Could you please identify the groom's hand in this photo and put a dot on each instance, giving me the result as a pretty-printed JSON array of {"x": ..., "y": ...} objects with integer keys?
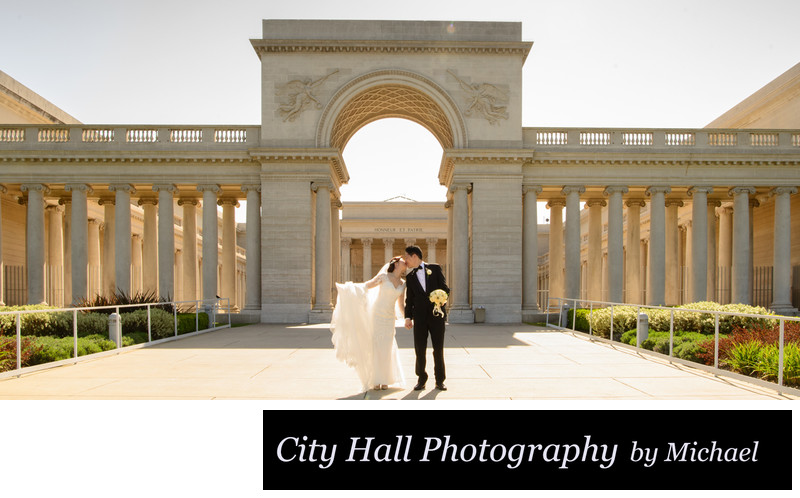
[{"x": 409, "y": 324}]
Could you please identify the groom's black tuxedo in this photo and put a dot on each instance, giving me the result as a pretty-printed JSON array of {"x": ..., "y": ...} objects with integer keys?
[{"x": 420, "y": 309}]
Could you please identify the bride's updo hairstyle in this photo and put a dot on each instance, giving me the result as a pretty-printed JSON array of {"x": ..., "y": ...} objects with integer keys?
[{"x": 392, "y": 262}]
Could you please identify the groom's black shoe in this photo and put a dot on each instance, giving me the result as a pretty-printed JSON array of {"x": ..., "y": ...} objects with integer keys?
[
  {"x": 440, "y": 386},
  {"x": 420, "y": 386}
]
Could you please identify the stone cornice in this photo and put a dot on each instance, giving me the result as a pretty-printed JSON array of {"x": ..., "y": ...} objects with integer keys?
[
  {"x": 263, "y": 47},
  {"x": 333, "y": 157},
  {"x": 69, "y": 156}
]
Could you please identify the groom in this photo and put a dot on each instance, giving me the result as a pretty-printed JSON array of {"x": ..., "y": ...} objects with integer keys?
[{"x": 423, "y": 279}]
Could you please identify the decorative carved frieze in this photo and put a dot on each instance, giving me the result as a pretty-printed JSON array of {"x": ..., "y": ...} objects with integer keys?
[
  {"x": 299, "y": 96},
  {"x": 484, "y": 100}
]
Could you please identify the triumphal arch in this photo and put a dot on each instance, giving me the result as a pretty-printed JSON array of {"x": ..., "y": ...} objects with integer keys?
[{"x": 324, "y": 80}]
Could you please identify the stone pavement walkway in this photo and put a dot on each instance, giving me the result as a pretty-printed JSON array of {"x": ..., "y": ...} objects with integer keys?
[{"x": 280, "y": 362}]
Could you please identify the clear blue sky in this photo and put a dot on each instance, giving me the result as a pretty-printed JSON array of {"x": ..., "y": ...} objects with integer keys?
[{"x": 673, "y": 63}]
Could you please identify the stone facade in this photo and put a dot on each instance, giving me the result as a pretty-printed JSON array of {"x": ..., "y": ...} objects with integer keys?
[{"x": 324, "y": 80}]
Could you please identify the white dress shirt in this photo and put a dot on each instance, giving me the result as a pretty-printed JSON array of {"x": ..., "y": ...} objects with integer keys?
[{"x": 421, "y": 276}]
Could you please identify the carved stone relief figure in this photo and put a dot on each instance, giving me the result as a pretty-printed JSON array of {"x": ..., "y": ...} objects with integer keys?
[
  {"x": 484, "y": 99},
  {"x": 299, "y": 95}
]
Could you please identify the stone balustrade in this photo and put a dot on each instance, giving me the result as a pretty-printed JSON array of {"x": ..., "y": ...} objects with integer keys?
[
  {"x": 92, "y": 137},
  {"x": 661, "y": 138}
]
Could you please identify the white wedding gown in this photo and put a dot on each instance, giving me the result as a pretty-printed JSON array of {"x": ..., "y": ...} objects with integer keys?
[{"x": 363, "y": 328}]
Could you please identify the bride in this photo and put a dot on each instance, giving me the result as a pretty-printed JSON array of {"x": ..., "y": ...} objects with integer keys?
[{"x": 363, "y": 326}]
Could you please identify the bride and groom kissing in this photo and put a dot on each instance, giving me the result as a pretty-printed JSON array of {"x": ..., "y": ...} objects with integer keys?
[{"x": 363, "y": 323}]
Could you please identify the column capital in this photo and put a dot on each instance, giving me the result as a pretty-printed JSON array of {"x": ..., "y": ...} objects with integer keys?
[
  {"x": 315, "y": 186},
  {"x": 188, "y": 200},
  {"x": 783, "y": 190},
  {"x": 35, "y": 187},
  {"x": 346, "y": 242},
  {"x": 3, "y": 189},
  {"x": 136, "y": 236},
  {"x": 536, "y": 189},
  {"x": 336, "y": 203},
  {"x": 251, "y": 187},
  {"x": 635, "y": 202},
  {"x": 657, "y": 190},
  {"x": 94, "y": 221},
  {"x": 728, "y": 210},
  {"x": 409, "y": 242},
  {"x": 572, "y": 189},
  {"x": 78, "y": 187},
  {"x": 147, "y": 200},
  {"x": 742, "y": 190},
  {"x": 366, "y": 241},
  {"x": 615, "y": 189},
  {"x": 714, "y": 203},
  {"x": 699, "y": 190},
  {"x": 596, "y": 202},
  {"x": 556, "y": 203},
  {"x": 388, "y": 241},
  {"x": 209, "y": 187},
  {"x": 167, "y": 187},
  {"x": 673, "y": 202},
  {"x": 461, "y": 186},
  {"x": 122, "y": 187},
  {"x": 54, "y": 207},
  {"x": 106, "y": 200},
  {"x": 231, "y": 201},
  {"x": 754, "y": 203},
  {"x": 448, "y": 204},
  {"x": 63, "y": 201}
]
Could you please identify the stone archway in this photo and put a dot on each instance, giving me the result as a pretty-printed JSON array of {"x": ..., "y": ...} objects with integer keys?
[{"x": 387, "y": 94}]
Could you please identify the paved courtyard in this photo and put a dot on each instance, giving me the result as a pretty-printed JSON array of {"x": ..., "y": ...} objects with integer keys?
[{"x": 278, "y": 362}]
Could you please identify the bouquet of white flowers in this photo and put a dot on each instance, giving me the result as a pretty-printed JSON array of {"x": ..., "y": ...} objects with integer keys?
[{"x": 439, "y": 299}]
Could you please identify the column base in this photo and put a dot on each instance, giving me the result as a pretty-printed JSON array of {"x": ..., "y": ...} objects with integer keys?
[
  {"x": 531, "y": 314},
  {"x": 461, "y": 315},
  {"x": 784, "y": 309}
]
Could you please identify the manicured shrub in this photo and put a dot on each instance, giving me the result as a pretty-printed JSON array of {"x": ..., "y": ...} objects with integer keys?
[
  {"x": 161, "y": 322},
  {"x": 121, "y": 298},
  {"x": 8, "y": 352},
  {"x": 581, "y": 319},
  {"x": 55, "y": 349},
  {"x": 188, "y": 323},
  {"x": 744, "y": 357}
]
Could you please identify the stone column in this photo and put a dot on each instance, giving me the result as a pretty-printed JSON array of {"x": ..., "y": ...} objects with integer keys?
[
  {"x": 336, "y": 235},
  {"x": 699, "y": 268},
  {"x": 657, "y": 247},
  {"x": 449, "y": 207},
  {"x": 150, "y": 270},
  {"x": 556, "y": 249},
  {"x": 530, "y": 250},
  {"x": 572, "y": 242},
  {"x": 253, "y": 243},
  {"x": 137, "y": 271},
  {"x": 210, "y": 243},
  {"x": 753, "y": 203},
  {"x": 741, "y": 278},
  {"x": 388, "y": 251},
  {"x": 80, "y": 249},
  {"x": 34, "y": 241},
  {"x": 431, "y": 249},
  {"x": 594, "y": 260},
  {"x": 122, "y": 236},
  {"x": 711, "y": 248},
  {"x": 166, "y": 241},
  {"x": 672, "y": 261},
  {"x": 3, "y": 190},
  {"x": 345, "y": 258},
  {"x": 321, "y": 311},
  {"x": 633, "y": 273},
  {"x": 94, "y": 264},
  {"x": 54, "y": 288},
  {"x": 67, "y": 255},
  {"x": 229, "y": 249},
  {"x": 109, "y": 249},
  {"x": 460, "y": 310},
  {"x": 189, "y": 252},
  {"x": 782, "y": 255},
  {"x": 366, "y": 243},
  {"x": 616, "y": 256}
]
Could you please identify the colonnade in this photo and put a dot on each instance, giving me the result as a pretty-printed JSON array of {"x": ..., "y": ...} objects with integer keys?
[
  {"x": 157, "y": 250},
  {"x": 663, "y": 264},
  {"x": 345, "y": 272}
]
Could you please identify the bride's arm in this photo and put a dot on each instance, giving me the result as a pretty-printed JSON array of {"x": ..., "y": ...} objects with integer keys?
[{"x": 376, "y": 280}]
